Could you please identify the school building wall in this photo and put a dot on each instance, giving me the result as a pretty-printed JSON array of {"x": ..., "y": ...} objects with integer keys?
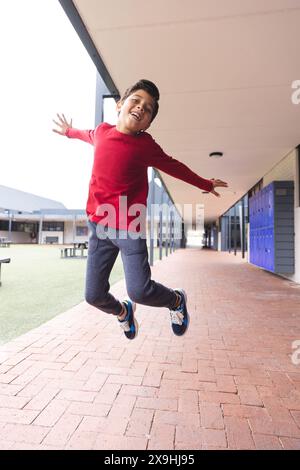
[
  {"x": 70, "y": 233},
  {"x": 16, "y": 237},
  {"x": 288, "y": 170}
]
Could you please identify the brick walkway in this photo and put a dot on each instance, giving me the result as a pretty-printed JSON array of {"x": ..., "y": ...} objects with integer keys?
[{"x": 77, "y": 383}]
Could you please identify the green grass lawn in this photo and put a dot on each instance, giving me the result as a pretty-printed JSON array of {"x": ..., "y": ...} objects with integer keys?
[{"x": 38, "y": 284}]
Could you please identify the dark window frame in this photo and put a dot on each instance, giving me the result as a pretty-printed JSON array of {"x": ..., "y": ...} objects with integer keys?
[
  {"x": 83, "y": 229},
  {"x": 3, "y": 224},
  {"x": 298, "y": 163},
  {"x": 53, "y": 226}
]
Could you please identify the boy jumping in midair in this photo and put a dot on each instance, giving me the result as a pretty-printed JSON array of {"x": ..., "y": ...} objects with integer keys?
[{"x": 121, "y": 157}]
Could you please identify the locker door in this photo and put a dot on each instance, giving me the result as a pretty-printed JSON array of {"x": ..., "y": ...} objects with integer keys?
[
  {"x": 263, "y": 248},
  {"x": 271, "y": 248},
  {"x": 254, "y": 247},
  {"x": 269, "y": 195},
  {"x": 263, "y": 208},
  {"x": 271, "y": 205},
  {"x": 261, "y": 212},
  {"x": 267, "y": 249},
  {"x": 258, "y": 251},
  {"x": 258, "y": 210}
]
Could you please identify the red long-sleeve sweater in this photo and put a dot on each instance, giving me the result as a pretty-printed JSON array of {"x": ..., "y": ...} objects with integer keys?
[{"x": 120, "y": 169}]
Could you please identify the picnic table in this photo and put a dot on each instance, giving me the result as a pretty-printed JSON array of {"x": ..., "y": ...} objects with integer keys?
[
  {"x": 4, "y": 243},
  {"x": 5, "y": 260},
  {"x": 73, "y": 252}
]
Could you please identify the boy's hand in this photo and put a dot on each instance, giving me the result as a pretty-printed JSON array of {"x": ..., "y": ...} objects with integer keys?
[
  {"x": 63, "y": 125},
  {"x": 217, "y": 183}
]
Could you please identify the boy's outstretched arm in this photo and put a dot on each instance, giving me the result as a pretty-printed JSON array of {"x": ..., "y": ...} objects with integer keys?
[
  {"x": 157, "y": 158},
  {"x": 65, "y": 128},
  {"x": 62, "y": 125},
  {"x": 218, "y": 183}
]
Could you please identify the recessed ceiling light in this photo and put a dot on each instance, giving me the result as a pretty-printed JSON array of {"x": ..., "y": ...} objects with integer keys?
[{"x": 216, "y": 154}]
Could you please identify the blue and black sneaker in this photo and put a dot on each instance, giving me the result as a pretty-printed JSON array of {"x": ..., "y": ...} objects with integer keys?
[
  {"x": 179, "y": 315},
  {"x": 129, "y": 325}
]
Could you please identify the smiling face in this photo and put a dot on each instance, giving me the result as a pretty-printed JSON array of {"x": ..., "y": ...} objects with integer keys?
[{"x": 135, "y": 113}]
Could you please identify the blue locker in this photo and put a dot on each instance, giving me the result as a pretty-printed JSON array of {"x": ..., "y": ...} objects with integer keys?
[
  {"x": 272, "y": 216},
  {"x": 258, "y": 248},
  {"x": 255, "y": 211},
  {"x": 269, "y": 204},
  {"x": 258, "y": 209},
  {"x": 262, "y": 253},
  {"x": 271, "y": 248},
  {"x": 262, "y": 248},
  {"x": 267, "y": 249},
  {"x": 261, "y": 224},
  {"x": 262, "y": 208},
  {"x": 254, "y": 247},
  {"x": 265, "y": 206}
]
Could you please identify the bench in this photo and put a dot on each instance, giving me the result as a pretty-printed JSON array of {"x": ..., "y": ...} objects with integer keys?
[
  {"x": 72, "y": 252},
  {"x": 6, "y": 260},
  {"x": 4, "y": 243},
  {"x": 81, "y": 244}
]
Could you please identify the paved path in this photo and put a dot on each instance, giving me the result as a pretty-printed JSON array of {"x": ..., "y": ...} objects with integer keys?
[{"x": 77, "y": 383}]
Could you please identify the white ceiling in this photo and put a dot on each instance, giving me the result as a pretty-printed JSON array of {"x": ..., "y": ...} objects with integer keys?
[{"x": 224, "y": 69}]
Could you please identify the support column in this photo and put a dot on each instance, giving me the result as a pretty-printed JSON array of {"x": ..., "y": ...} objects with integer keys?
[
  {"x": 242, "y": 222},
  {"x": 152, "y": 199},
  {"x": 74, "y": 227},
  {"x": 160, "y": 233},
  {"x": 40, "y": 230},
  {"x": 9, "y": 225},
  {"x": 229, "y": 230},
  {"x": 235, "y": 230}
]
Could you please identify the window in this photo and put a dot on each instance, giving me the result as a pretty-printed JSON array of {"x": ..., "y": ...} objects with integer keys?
[
  {"x": 4, "y": 225},
  {"x": 23, "y": 227},
  {"x": 53, "y": 226},
  {"x": 82, "y": 231},
  {"x": 109, "y": 110}
]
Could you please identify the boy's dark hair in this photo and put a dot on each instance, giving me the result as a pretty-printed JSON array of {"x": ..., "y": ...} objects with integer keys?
[{"x": 147, "y": 86}]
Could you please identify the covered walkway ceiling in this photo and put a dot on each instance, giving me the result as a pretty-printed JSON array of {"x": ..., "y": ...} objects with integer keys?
[{"x": 224, "y": 69}]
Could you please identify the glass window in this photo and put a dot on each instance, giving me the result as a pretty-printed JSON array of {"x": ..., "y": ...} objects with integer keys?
[
  {"x": 109, "y": 110},
  {"x": 53, "y": 226},
  {"x": 22, "y": 227},
  {"x": 4, "y": 225},
  {"x": 82, "y": 231}
]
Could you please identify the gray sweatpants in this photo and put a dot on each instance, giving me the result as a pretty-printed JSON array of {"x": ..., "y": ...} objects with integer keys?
[{"x": 102, "y": 253}]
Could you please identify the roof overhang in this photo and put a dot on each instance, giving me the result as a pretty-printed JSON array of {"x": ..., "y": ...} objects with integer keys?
[{"x": 225, "y": 71}]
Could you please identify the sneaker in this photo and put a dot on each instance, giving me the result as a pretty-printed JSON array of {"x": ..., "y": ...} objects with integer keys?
[
  {"x": 129, "y": 325},
  {"x": 179, "y": 316}
]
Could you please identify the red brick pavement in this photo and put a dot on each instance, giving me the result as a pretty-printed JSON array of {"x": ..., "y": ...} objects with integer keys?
[{"x": 77, "y": 383}]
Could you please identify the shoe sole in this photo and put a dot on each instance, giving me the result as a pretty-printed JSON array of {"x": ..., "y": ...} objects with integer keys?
[
  {"x": 136, "y": 325},
  {"x": 187, "y": 313}
]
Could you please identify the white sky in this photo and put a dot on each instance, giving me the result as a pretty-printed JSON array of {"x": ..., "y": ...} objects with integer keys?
[{"x": 45, "y": 69}]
